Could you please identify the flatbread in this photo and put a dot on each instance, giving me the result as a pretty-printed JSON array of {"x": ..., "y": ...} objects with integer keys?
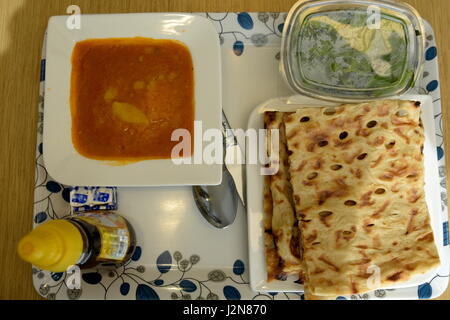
[
  {"x": 268, "y": 205},
  {"x": 273, "y": 262},
  {"x": 285, "y": 229},
  {"x": 358, "y": 186},
  {"x": 272, "y": 258}
]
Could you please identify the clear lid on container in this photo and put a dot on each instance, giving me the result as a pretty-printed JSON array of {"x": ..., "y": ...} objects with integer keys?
[{"x": 356, "y": 50}]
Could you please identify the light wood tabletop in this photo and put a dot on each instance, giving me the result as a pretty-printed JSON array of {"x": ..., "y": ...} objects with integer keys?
[{"x": 22, "y": 26}]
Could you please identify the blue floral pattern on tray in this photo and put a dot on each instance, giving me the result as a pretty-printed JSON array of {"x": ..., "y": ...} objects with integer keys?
[
  {"x": 175, "y": 276},
  {"x": 133, "y": 281}
]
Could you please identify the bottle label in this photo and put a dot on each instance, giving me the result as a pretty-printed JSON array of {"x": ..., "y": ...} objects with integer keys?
[{"x": 114, "y": 234}]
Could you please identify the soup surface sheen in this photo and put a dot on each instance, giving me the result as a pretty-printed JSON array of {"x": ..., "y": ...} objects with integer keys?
[{"x": 128, "y": 95}]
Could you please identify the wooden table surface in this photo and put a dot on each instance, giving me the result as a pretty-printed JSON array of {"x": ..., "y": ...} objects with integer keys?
[{"x": 22, "y": 26}]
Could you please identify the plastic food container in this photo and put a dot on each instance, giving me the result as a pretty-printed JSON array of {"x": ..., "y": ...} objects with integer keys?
[{"x": 352, "y": 51}]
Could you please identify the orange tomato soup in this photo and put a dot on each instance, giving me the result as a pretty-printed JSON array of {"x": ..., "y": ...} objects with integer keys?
[{"x": 128, "y": 95}]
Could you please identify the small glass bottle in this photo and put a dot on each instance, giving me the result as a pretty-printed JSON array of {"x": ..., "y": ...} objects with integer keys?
[{"x": 100, "y": 239}]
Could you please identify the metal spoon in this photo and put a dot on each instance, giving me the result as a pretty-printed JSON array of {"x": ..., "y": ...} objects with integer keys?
[{"x": 218, "y": 204}]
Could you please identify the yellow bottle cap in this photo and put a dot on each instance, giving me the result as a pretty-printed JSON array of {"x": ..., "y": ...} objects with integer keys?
[{"x": 53, "y": 246}]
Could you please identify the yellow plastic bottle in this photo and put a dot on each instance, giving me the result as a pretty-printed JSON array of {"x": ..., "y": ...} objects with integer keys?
[{"x": 87, "y": 240}]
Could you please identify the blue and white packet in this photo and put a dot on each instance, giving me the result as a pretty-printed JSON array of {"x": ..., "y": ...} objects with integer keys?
[{"x": 84, "y": 199}]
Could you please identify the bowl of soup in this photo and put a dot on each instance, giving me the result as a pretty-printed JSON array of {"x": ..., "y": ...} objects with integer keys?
[
  {"x": 128, "y": 95},
  {"x": 123, "y": 92}
]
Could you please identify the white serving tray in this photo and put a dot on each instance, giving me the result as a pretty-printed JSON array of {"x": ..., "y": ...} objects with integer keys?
[
  {"x": 172, "y": 235},
  {"x": 255, "y": 182}
]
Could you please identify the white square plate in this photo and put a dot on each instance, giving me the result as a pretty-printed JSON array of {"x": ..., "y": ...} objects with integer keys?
[
  {"x": 64, "y": 163},
  {"x": 258, "y": 273}
]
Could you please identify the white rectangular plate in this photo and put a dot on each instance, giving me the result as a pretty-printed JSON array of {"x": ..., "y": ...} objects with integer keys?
[
  {"x": 255, "y": 183},
  {"x": 64, "y": 163}
]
